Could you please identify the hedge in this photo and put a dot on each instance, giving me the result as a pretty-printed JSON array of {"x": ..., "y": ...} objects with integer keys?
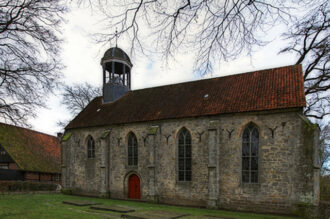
[{"x": 22, "y": 186}]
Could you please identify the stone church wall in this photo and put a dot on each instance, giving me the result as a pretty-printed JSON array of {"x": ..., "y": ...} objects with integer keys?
[{"x": 287, "y": 173}]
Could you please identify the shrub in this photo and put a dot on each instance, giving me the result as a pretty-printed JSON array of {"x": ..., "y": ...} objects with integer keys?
[
  {"x": 325, "y": 188},
  {"x": 66, "y": 191},
  {"x": 4, "y": 185},
  {"x": 18, "y": 186}
]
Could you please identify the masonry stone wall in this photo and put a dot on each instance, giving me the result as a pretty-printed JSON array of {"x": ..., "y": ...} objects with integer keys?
[{"x": 287, "y": 173}]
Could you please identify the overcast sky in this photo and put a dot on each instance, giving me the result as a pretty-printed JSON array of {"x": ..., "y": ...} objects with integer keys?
[{"x": 82, "y": 59}]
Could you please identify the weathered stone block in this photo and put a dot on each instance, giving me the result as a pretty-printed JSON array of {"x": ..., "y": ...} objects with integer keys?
[{"x": 286, "y": 173}]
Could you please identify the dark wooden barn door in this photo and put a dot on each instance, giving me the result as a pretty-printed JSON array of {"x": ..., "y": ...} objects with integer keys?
[{"x": 134, "y": 187}]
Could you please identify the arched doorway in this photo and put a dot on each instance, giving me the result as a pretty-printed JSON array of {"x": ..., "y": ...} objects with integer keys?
[{"x": 134, "y": 187}]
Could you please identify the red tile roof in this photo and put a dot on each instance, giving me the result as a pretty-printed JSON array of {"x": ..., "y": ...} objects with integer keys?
[
  {"x": 31, "y": 150},
  {"x": 269, "y": 89}
]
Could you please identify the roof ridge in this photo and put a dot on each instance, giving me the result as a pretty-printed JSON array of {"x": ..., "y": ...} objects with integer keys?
[
  {"x": 266, "y": 89},
  {"x": 205, "y": 79},
  {"x": 27, "y": 129}
]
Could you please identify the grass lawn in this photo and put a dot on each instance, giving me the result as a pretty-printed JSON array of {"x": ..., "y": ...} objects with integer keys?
[{"x": 51, "y": 206}]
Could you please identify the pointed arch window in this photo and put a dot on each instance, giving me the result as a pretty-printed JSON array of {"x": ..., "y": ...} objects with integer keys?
[
  {"x": 184, "y": 158},
  {"x": 90, "y": 147},
  {"x": 132, "y": 150},
  {"x": 250, "y": 147}
]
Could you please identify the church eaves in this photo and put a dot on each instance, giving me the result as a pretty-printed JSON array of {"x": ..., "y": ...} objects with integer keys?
[{"x": 270, "y": 89}]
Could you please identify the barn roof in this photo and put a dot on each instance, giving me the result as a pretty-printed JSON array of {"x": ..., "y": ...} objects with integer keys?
[
  {"x": 31, "y": 150},
  {"x": 277, "y": 88}
]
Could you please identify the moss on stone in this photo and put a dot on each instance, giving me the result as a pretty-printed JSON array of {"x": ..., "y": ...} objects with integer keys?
[
  {"x": 308, "y": 124},
  {"x": 105, "y": 134},
  {"x": 66, "y": 136},
  {"x": 213, "y": 124},
  {"x": 153, "y": 130}
]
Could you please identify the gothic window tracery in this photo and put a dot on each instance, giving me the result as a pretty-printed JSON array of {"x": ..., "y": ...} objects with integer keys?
[
  {"x": 184, "y": 155},
  {"x": 250, "y": 147},
  {"x": 132, "y": 150},
  {"x": 90, "y": 147}
]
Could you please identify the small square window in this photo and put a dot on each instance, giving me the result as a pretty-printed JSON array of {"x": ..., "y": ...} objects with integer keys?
[{"x": 4, "y": 166}]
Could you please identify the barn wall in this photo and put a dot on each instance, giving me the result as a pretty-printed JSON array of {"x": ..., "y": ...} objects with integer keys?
[
  {"x": 31, "y": 176},
  {"x": 13, "y": 166}
]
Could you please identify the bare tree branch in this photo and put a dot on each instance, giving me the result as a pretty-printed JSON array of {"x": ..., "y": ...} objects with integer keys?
[
  {"x": 76, "y": 97},
  {"x": 223, "y": 30},
  {"x": 29, "y": 56},
  {"x": 324, "y": 149},
  {"x": 309, "y": 39},
  {"x": 213, "y": 30}
]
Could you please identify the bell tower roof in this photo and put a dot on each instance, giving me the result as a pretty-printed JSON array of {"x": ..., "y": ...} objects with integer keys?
[
  {"x": 116, "y": 54},
  {"x": 116, "y": 67}
]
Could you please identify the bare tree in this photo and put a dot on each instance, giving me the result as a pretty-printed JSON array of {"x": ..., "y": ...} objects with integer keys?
[
  {"x": 309, "y": 39},
  {"x": 29, "y": 51},
  {"x": 223, "y": 30},
  {"x": 325, "y": 149},
  {"x": 77, "y": 97},
  {"x": 214, "y": 30}
]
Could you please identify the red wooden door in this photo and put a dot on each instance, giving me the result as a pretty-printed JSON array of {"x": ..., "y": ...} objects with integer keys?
[{"x": 134, "y": 187}]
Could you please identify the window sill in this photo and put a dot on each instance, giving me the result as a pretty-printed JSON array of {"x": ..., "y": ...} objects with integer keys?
[
  {"x": 211, "y": 166},
  {"x": 183, "y": 182},
  {"x": 131, "y": 167},
  {"x": 250, "y": 184},
  {"x": 252, "y": 188}
]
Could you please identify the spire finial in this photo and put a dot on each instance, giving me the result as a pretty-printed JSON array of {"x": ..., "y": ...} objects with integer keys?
[{"x": 116, "y": 36}]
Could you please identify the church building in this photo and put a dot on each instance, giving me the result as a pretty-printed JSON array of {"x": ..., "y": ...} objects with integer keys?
[{"x": 238, "y": 142}]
